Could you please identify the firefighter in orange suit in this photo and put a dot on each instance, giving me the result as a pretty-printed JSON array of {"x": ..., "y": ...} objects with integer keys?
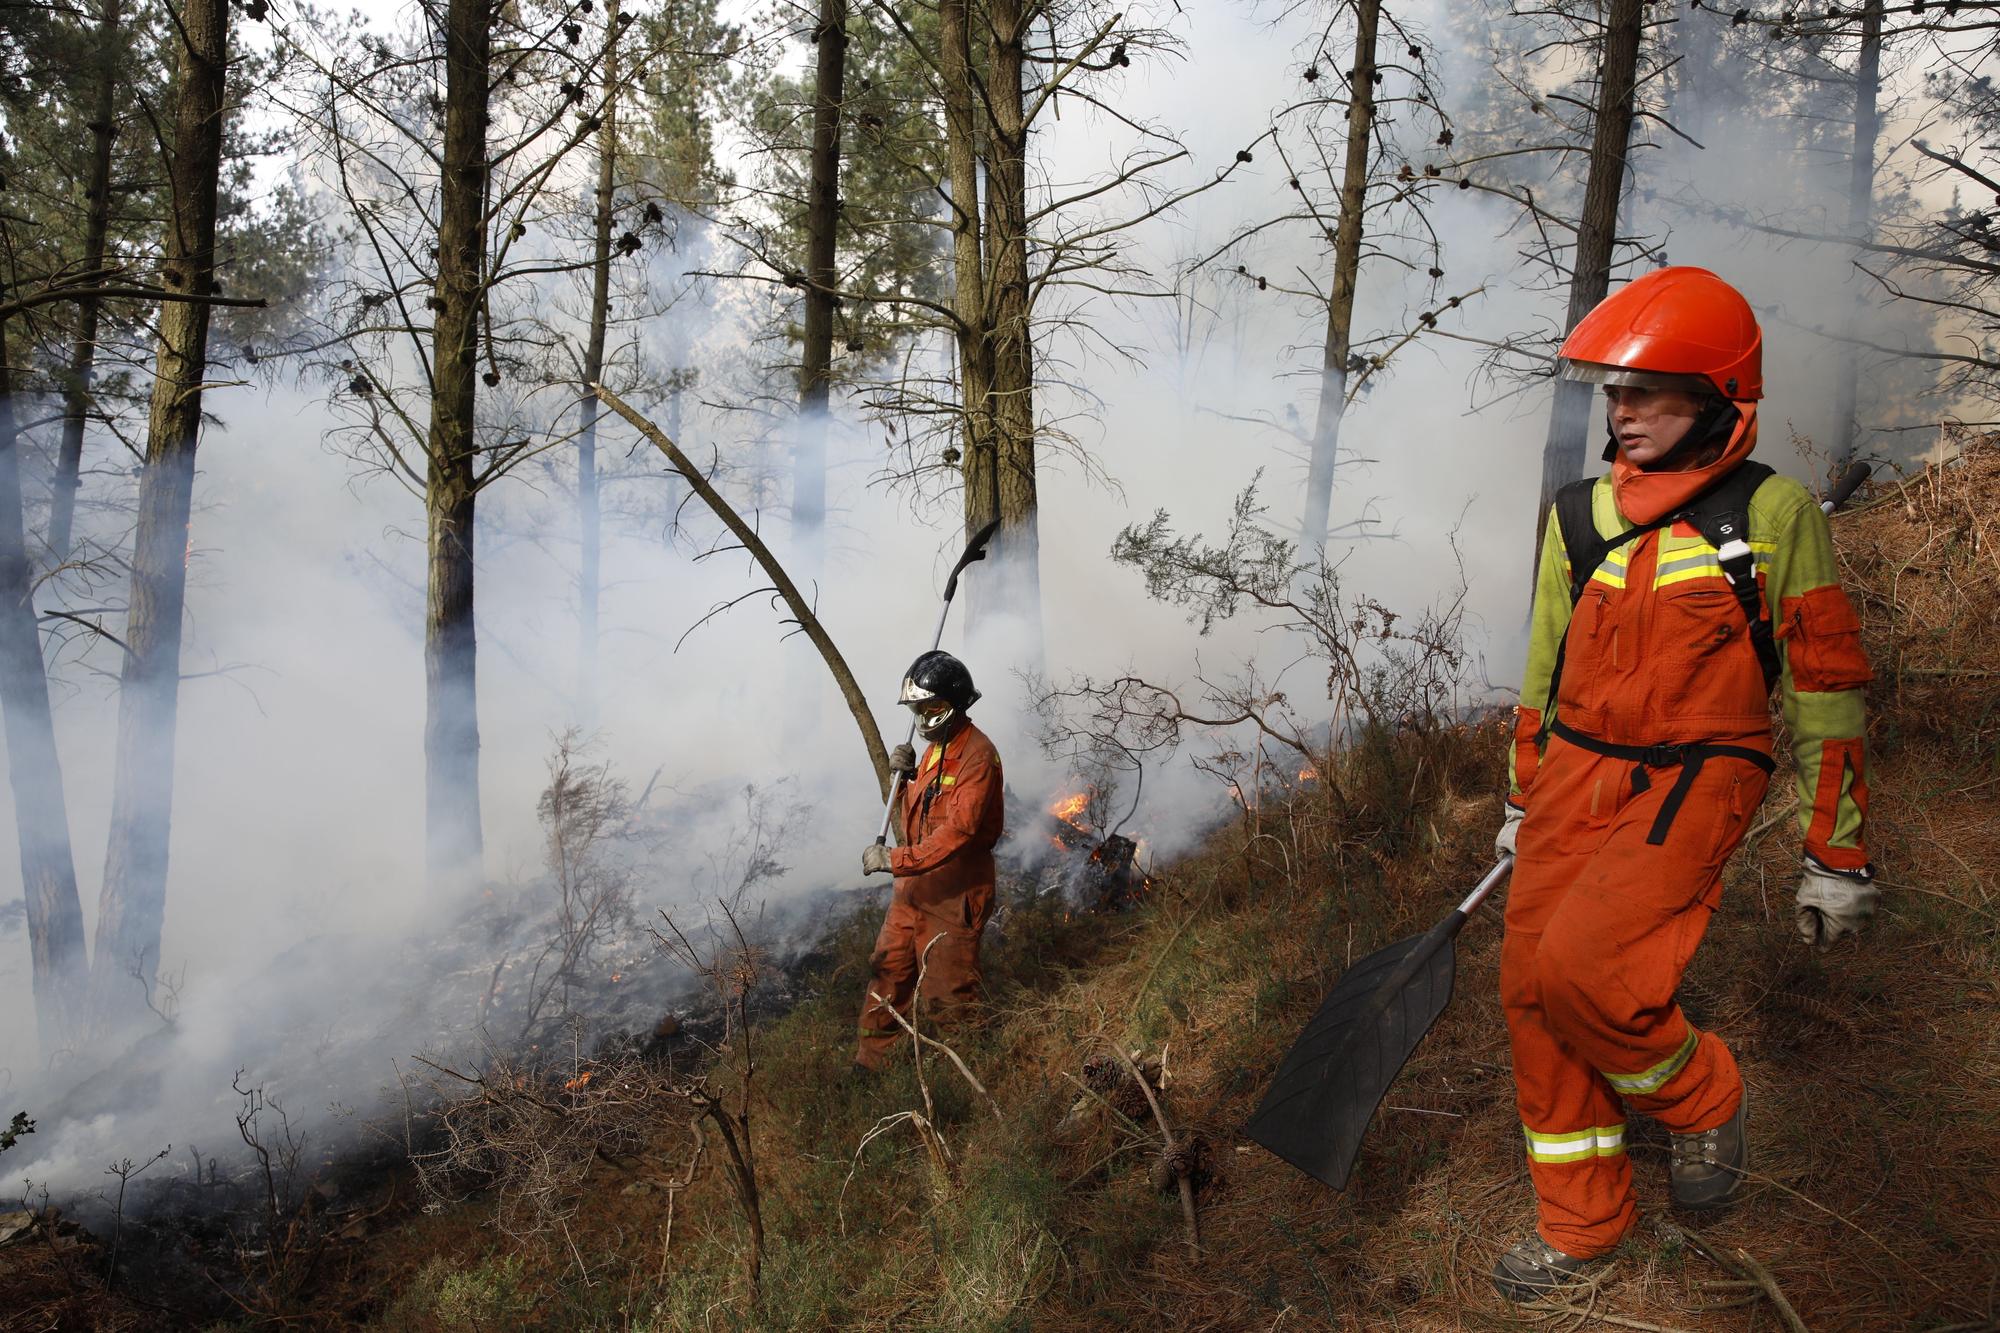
[
  {"x": 1681, "y": 589},
  {"x": 951, "y": 817}
]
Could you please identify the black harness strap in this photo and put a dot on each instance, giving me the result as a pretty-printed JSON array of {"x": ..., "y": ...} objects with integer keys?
[
  {"x": 1688, "y": 757},
  {"x": 1721, "y": 514}
]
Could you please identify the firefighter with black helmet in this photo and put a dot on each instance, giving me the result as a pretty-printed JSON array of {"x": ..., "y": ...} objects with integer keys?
[{"x": 952, "y": 816}]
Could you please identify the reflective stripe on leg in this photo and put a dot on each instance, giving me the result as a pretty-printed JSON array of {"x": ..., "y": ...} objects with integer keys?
[
  {"x": 1653, "y": 1079},
  {"x": 1576, "y": 1145}
]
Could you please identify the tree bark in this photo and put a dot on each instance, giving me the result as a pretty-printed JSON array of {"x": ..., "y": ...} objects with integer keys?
[
  {"x": 48, "y": 869},
  {"x": 590, "y": 534},
  {"x": 975, "y": 351},
  {"x": 822, "y": 278},
  {"x": 1596, "y": 238},
  {"x": 96, "y": 227},
  {"x": 132, "y": 900},
  {"x": 1017, "y": 593},
  {"x": 451, "y": 726},
  {"x": 1860, "y": 220},
  {"x": 1346, "y": 274}
]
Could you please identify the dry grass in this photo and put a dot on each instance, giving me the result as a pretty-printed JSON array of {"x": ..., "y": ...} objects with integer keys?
[{"x": 1876, "y": 1067}]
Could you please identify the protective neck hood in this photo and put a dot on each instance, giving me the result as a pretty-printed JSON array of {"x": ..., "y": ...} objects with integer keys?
[{"x": 1645, "y": 494}]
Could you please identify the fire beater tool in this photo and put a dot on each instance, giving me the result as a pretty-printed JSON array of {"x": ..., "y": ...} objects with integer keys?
[
  {"x": 974, "y": 550},
  {"x": 1317, "y": 1109}
]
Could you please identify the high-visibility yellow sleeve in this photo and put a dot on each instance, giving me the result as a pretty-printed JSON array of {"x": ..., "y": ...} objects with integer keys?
[
  {"x": 1823, "y": 686},
  {"x": 1549, "y": 621}
]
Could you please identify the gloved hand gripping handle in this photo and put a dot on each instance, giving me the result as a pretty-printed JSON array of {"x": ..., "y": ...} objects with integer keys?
[{"x": 974, "y": 550}]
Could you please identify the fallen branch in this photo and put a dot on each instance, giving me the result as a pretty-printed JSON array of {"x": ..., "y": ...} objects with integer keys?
[
  {"x": 1749, "y": 1273},
  {"x": 1168, "y": 1151},
  {"x": 924, "y": 1039},
  {"x": 802, "y": 614},
  {"x": 1771, "y": 1289}
]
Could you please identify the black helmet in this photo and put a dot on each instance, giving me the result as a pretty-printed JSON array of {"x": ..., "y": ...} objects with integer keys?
[{"x": 937, "y": 688}]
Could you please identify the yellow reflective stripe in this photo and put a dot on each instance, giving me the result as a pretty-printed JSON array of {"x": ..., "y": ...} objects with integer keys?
[
  {"x": 1575, "y": 1146},
  {"x": 1606, "y": 575},
  {"x": 1652, "y": 1080}
]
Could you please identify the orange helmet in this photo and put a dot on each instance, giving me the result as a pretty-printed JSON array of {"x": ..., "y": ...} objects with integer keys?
[{"x": 1679, "y": 327}]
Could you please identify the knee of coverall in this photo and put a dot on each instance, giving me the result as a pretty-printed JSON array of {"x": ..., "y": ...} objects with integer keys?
[
  {"x": 951, "y": 977},
  {"x": 1590, "y": 976}
]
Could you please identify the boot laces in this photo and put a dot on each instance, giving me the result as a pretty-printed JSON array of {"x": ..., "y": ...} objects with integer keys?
[{"x": 1697, "y": 1149}]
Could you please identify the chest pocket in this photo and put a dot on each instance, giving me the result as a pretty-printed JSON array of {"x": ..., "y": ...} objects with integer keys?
[
  {"x": 1593, "y": 652},
  {"x": 1707, "y": 664}
]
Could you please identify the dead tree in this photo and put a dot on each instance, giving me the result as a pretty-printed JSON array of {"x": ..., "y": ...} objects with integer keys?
[
  {"x": 41, "y": 820},
  {"x": 1346, "y": 272},
  {"x": 1360, "y": 211},
  {"x": 132, "y": 901},
  {"x": 1596, "y": 237},
  {"x": 1860, "y": 217},
  {"x": 438, "y": 314},
  {"x": 97, "y": 227},
  {"x": 455, "y": 843},
  {"x": 732, "y": 967},
  {"x": 822, "y": 280},
  {"x": 590, "y": 535},
  {"x": 992, "y": 71}
]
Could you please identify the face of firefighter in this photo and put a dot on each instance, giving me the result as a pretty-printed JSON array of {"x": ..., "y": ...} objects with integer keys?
[
  {"x": 934, "y": 718},
  {"x": 1648, "y": 423}
]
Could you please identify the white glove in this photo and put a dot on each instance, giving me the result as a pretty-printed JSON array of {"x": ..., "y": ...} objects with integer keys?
[
  {"x": 1833, "y": 903},
  {"x": 875, "y": 860},
  {"x": 903, "y": 759},
  {"x": 1510, "y": 829}
]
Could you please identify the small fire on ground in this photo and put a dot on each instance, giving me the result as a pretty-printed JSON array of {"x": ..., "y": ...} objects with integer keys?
[{"x": 1099, "y": 873}]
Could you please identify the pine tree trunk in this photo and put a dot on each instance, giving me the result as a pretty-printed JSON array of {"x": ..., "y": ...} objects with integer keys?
[
  {"x": 96, "y": 226},
  {"x": 1346, "y": 274},
  {"x": 48, "y": 870},
  {"x": 1860, "y": 220},
  {"x": 1017, "y": 592},
  {"x": 590, "y": 536},
  {"x": 969, "y": 299},
  {"x": 451, "y": 725},
  {"x": 132, "y": 900},
  {"x": 1596, "y": 236},
  {"x": 822, "y": 277}
]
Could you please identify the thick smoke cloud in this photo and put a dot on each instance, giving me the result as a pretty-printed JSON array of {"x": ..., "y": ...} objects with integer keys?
[{"x": 296, "y": 900}]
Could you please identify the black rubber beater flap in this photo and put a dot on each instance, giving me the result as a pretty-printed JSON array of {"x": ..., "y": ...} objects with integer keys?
[{"x": 1329, "y": 1084}]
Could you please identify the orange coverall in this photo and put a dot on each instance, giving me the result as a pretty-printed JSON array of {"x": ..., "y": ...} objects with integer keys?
[
  {"x": 952, "y": 817},
  {"x": 1601, "y": 921}
]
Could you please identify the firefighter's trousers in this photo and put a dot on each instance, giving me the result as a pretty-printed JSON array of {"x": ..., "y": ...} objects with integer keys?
[
  {"x": 1600, "y": 926},
  {"x": 942, "y": 940}
]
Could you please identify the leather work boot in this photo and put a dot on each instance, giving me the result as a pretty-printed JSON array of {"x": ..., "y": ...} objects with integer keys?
[
  {"x": 1533, "y": 1269},
  {"x": 1707, "y": 1168}
]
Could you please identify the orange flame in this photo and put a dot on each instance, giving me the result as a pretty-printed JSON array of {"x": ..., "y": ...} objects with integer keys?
[
  {"x": 1069, "y": 807},
  {"x": 578, "y": 1082},
  {"x": 1308, "y": 774}
]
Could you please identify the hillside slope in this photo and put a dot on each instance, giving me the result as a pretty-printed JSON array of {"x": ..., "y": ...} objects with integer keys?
[{"x": 1875, "y": 1071}]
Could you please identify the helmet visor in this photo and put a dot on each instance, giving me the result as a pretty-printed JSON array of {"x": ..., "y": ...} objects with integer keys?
[
  {"x": 931, "y": 713},
  {"x": 1595, "y": 372}
]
